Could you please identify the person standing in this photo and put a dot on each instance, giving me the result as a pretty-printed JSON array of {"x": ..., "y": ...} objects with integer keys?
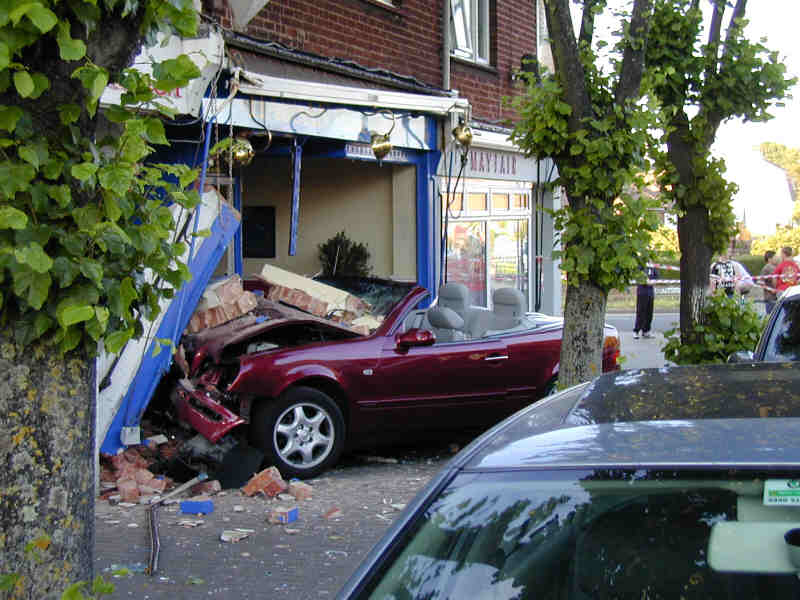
[
  {"x": 723, "y": 274},
  {"x": 770, "y": 262},
  {"x": 645, "y": 295},
  {"x": 787, "y": 273}
]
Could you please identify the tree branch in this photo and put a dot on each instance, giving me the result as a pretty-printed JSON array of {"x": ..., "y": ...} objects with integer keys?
[
  {"x": 630, "y": 77},
  {"x": 587, "y": 21},
  {"x": 566, "y": 58}
]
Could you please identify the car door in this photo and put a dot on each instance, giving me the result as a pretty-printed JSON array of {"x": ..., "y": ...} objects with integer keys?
[{"x": 450, "y": 385}]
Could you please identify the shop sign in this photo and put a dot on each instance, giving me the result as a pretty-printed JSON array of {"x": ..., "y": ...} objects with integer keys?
[
  {"x": 485, "y": 163},
  {"x": 364, "y": 152}
]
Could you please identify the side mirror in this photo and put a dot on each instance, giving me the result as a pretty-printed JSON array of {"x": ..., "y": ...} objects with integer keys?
[
  {"x": 742, "y": 356},
  {"x": 415, "y": 337}
]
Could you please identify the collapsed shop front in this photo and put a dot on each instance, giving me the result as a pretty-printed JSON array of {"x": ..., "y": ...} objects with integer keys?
[
  {"x": 494, "y": 228},
  {"x": 316, "y": 173}
]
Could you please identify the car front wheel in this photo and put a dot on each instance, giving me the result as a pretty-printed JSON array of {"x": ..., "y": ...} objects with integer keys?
[{"x": 302, "y": 433}]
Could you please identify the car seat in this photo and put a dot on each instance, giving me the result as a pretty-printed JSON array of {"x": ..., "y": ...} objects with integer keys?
[
  {"x": 455, "y": 296},
  {"x": 446, "y": 324},
  {"x": 508, "y": 308}
]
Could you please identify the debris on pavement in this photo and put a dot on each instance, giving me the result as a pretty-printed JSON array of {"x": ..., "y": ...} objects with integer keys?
[
  {"x": 197, "y": 507},
  {"x": 269, "y": 482},
  {"x": 235, "y": 535},
  {"x": 333, "y": 513},
  {"x": 299, "y": 490},
  {"x": 283, "y": 515}
]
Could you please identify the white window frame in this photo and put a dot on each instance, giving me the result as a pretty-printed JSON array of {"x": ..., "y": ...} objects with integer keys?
[{"x": 469, "y": 30}]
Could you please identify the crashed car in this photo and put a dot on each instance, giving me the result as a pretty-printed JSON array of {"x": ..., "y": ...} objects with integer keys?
[{"x": 308, "y": 387}]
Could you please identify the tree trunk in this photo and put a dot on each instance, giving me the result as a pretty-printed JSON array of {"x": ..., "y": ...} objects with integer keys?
[
  {"x": 582, "y": 346},
  {"x": 47, "y": 471},
  {"x": 695, "y": 265}
]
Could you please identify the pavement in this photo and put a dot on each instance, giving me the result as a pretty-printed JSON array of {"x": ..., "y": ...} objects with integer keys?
[{"x": 310, "y": 558}]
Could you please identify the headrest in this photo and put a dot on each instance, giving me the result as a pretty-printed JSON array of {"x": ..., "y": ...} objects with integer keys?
[
  {"x": 442, "y": 317},
  {"x": 454, "y": 296},
  {"x": 508, "y": 302}
]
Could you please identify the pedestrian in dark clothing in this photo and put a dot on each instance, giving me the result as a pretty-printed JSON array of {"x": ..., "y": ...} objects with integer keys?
[{"x": 645, "y": 295}]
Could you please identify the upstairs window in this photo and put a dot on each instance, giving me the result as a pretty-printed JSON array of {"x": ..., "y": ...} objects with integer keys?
[{"x": 469, "y": 30}]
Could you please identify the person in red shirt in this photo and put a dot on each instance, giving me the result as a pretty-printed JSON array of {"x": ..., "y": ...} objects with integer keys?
[{"x": 787, "y": 273}]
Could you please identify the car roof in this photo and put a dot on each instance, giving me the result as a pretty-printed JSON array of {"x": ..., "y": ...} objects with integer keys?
[{"x": 745, "y": 413}]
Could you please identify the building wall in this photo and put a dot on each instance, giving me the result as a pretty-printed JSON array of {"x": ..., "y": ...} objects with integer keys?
[
  {"x": 337, "y": 195},
  {"x": 406, "y": 40}
]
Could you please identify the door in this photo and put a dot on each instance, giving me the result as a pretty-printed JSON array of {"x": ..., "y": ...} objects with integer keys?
[{"x": 453, "y": 385}]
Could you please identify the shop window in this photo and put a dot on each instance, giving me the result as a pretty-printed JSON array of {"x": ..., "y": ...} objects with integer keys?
[
  {"x": 456, "y": 203},
  {"x": 258, "y": 232},
  {"x": 520, "y": 202},
  {"x": 476, "y": 202},
  {"x": 469, "y": 29},
  {"x": 500, "y": 202}
]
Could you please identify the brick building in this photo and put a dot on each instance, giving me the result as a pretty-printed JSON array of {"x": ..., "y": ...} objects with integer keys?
[{"x": 314, "y": 82}]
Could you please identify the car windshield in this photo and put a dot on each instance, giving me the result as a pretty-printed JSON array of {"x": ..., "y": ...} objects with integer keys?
[
  {"x": 784, "y": 344},
  {"x": 581, "y": 534},
  {"x": 380, "y": 294}
]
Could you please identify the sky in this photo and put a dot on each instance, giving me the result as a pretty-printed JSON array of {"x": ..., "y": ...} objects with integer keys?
[{"x": 763, "y": 198}]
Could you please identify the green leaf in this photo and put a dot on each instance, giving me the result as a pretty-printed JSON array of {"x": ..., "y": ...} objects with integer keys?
[
  {"x": 43, "y": 18},
  {"x": 69, "y": 113},
  {"x": 9, "y": 117},
  {"x": 69, "y": 48},
  {"x": 114, "y": 342},
  {"x": 65, "y": 271},
  {"x": 92, "y": 270},
  {"x": 15, "y": 177},
  {"x": 111, "y": 206},
  {"x": 116, "y": 177},
  {"x": 8, "y": 581},
  {"x": 5, "y": 56},
  {"x": 70, "y": 339},
  {"x": 40, "y": 85},
  {"x": 71, "y": 314},
  {"x": 61, "y": 194},
  {"x": 83, "y": 171},
  {"x": 32, "y": 287},
  {"x": 154, "y": 130},
  {"x": 12, "y": 218},
  {"x": 23, "y": 82},
  {"x": 35, "y": 257}
]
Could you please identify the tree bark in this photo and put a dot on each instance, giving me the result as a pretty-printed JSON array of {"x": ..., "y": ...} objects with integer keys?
[
  {"x": 47, "y": 472},
  {"x": 582, "y": 345}
]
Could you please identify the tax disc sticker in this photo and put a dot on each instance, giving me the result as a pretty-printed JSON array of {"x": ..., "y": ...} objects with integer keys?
[{"x": 782, "y": 492}]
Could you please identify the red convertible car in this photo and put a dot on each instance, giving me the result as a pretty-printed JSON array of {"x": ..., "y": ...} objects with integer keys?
[{"x": 309, "y": 387}]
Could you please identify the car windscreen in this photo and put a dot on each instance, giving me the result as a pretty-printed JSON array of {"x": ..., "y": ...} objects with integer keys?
[
  {"x": 784, "y": 341},
  {"x": 598, "y": 533},
  {"x": 380, "y": 294}
]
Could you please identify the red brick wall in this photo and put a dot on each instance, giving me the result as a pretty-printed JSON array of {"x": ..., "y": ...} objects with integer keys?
[{"x": 407, "y": 41}]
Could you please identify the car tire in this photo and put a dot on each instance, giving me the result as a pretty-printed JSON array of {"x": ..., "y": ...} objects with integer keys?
[
  {"x": 301, "y": 433},
  {"x": 551, "y": 387}
]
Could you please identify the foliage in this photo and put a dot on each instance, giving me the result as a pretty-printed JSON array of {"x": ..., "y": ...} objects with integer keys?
[
  {"x": 740, "y": 80},
  {"x": 728, "y": 326},
  {"x": 783, "y": 236},
  {"x": 786, "y": 158},
  {"x": 751, "y": 262},
  {"x": 664, "y": 241},
  {"x": 342, "y": 257},
  {"x": 604, "y": 230},
  {"x": 88, "y": 241}
]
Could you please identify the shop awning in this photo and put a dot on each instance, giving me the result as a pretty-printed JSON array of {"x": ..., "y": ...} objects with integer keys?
[{"x": 257, "y": 84}]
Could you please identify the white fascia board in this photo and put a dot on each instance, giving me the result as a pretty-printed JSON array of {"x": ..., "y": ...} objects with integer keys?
[
  {"x": 493, "y": 140},
  {"x": 294, "y": 89}
]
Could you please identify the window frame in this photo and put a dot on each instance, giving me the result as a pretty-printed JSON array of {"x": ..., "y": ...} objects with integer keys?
[{"x": 470, "y": 31}]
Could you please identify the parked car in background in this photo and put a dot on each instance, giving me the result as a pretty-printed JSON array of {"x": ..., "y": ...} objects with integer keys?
[
  {"x": 309, "y": 387},
  {"x": 677, "y": 482},
  {"x": 780, "y": 340}
]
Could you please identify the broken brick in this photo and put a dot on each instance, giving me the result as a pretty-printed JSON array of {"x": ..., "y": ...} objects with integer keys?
[
  {"x": 268, "y": 481},
  {"x": 128, "y": 491},
  {"x": 207, "y": 487},
  {"x": 143, "y": 476},
  {"x": 300, "y": 490},
  {"x": 127, "y": 472}
]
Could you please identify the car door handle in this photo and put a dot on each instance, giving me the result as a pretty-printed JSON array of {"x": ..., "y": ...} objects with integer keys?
[{"x": 497, "y": 357}]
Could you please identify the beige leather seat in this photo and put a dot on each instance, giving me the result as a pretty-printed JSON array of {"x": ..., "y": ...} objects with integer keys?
[
  {"x": 508, "y": 308},
  {"x": 446, "y": 324}
]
